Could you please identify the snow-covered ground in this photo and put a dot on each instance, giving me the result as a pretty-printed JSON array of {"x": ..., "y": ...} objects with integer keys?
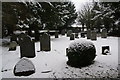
[{"x": 54, "y": 62}]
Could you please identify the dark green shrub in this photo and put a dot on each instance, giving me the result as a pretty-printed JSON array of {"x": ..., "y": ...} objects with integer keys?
[{"x": 81, "y": 53}]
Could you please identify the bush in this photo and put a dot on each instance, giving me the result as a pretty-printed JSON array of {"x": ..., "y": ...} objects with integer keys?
[{"x": 81, "y": 53}]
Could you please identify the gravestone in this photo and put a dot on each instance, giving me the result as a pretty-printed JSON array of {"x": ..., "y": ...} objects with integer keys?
[
  {"x": 56, "y": 34},
  {"x": 88, "y": 34},
  {"x": 104, "y": 33},
  {"x": 24, "y": 67},
  {"x": 72, "y": 37},
  {"x": 27, "y": 47},
  {"x": 93, "y": 35},
  {"x": 45, "y": 42},
  {"x": 83, "y": 34},
  {"x": 69, "y": 32},
  {"x": 76, "y": 35},
  {"x": 105, "y": 50},
  {"x": 13, "y": 38},
  {"x": 21, "y": 37},
  {"x": 12, "y": 46},
  {"x": 63, "y": 32}
]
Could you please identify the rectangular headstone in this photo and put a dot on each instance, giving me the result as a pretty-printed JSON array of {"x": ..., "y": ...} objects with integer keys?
[
  {"x": 27, "y": 47},
  {"x": 93, "y": 35},
  {"x": 105, "y": 50},
  {"x": 104, "y": 33},
  {"x": 45, "y": 42},
  {"x": 88, "y": 34},
  {"x": 72, "y": 37},
  {"x": 56, "y": 34},
  {"x": 63, "y": 32}
]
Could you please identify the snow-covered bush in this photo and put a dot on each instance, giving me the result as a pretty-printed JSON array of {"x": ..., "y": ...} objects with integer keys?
[{"x": 81, "y": 53}]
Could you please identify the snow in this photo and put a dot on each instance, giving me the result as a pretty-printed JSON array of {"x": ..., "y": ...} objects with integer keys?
[
  {"x": 52, "y": 64},
  {"x": 24, "y": 65}
]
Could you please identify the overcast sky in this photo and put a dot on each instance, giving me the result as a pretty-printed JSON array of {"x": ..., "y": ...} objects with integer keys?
[{"x": 79, "y": 3}]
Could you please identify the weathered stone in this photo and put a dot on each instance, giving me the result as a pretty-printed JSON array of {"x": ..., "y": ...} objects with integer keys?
[
  {"x": 93, "y": 35},
  {"x": 56, "y": 34},
  {"x": 104, "y": 33},
  {"x": 12, "y": 46},
  {"x": 69, "y": 32},
  {"x": 13, "y": 38},
  {"x": 63, "y": 32},
  {"x": 24, "y": 67},
  {"x": 27, "y": 47},
  {"x": 88, "y": 34},
  {"x": 72, "y": 37},
  {"x": 45, "y": 42},
  {"x": 105, "y": 50}
]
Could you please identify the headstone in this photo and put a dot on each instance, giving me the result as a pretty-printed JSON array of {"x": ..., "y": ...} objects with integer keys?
[
  {"x": 45, "y": 42},
  {"x": 56, "y": 34},
  {"x": 88, "y": 34},
  {"x": 105, "y": 50},
  {"x": 63, "y": 32},
  {"x": 69, "y": 32},
  {"x": 93, "y": 35},
  {"x": 83, "y": 34},
  {"x": 24, "y": 67},
  {"x": 104, "y": 33},
  {"x": 21, "y": 37},
  {"x": 76, "y": 35},
  {"x": 12, "y": 46},
  {"x": 72, "y": 37},
  {"x": 27, "y": 47},
  {"x": 13, "y": 38}
]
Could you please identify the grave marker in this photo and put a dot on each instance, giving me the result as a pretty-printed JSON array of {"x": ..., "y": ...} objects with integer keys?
[{"x": 45, "y": 42}]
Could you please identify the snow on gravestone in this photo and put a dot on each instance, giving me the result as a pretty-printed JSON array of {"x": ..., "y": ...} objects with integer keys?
[
  {"x": 12, "y": 46},
  {"x": 24, "y": 67},
  {"x": 27, "y": 47}
]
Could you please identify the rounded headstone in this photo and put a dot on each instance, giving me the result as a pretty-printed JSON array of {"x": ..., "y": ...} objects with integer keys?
[{"x": 24, "y": 67}]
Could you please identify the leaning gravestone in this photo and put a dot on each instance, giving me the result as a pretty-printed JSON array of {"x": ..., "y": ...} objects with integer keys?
[
  {"x": 24, "y": 67},
  {"x": 93, "y": 35},
  {"x": 69, "y": 32},
  {"x": 104, "y": 33},
  {"x": 13, "y": 38},
  {"x": 88, "y": 34},
  {"x": 72, "y": 37},
  {"x": 56, "y": 34},
  {"x": 45, "y": 42},
  {"x": 63, "y": 32},
  {"x": 27, "y": 47},
  {"x": 12, "y": 46}
]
